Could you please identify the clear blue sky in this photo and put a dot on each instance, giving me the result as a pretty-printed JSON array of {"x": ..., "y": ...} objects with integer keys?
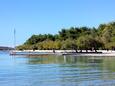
[{"x": 49, "y": 16}]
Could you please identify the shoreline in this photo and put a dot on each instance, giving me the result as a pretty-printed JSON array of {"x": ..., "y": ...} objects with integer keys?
[{"x": 63, "y": 52}]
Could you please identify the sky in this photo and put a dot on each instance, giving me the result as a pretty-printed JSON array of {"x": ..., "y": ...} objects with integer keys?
[{"x": 30, "y": 17}]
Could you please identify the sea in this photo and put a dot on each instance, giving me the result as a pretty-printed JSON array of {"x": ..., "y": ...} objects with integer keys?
[{"x": 55, "y": 70}]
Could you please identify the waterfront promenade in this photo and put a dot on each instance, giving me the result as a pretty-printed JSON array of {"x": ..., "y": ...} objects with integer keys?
[{"x": 64, "y": 52}]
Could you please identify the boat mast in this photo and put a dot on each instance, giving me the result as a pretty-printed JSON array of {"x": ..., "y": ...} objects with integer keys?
[{"x": 14, "y": 38}]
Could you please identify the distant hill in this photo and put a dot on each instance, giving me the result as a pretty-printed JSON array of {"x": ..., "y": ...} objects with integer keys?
[{"x": 6, "y": 48}]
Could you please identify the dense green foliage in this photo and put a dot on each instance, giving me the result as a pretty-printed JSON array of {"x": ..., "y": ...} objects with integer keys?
[{"x": 81, "y": 38}]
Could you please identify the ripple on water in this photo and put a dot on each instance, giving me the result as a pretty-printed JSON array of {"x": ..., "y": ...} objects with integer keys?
[{"x": 56, "y": 71}]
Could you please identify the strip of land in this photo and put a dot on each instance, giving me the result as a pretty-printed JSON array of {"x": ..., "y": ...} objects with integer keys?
[{"x": 5, "y": 48}]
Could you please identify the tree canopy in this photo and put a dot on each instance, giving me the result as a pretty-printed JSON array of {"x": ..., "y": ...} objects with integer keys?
[{"x": 102, "y": 37}]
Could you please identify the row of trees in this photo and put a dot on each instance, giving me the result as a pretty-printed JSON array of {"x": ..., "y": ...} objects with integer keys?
[{"x": 86, "y": 38}]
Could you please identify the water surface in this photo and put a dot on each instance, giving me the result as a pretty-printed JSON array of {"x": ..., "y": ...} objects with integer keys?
[{"x": 56, "y": 71}]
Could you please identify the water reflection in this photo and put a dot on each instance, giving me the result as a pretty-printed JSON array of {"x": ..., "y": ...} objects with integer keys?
[
  {"x": 82, "y": 70},
  {"x": 64, "y": 59},
  {"x": 107, "y": 63}
]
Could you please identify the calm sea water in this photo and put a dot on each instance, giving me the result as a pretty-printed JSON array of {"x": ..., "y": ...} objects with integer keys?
[{"x": 56, "y": 71}]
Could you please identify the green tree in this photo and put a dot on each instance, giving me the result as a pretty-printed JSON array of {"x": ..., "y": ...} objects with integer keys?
[
  {"x": 69, "y": 44},
  {"x": 88, "y": 42}
]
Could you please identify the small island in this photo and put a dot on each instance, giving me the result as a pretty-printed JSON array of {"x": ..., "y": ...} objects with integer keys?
[{"x": 79, "y": 41}]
